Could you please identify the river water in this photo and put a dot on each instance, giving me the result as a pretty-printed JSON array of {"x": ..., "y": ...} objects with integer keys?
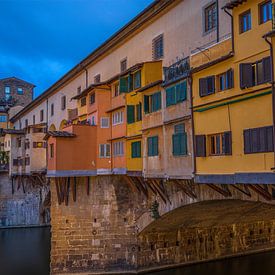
[{"x": 27, "y": 252}]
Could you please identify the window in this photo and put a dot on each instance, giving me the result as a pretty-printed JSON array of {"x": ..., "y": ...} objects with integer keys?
[
  {"x": 33, "y": 119},
  {"x": 152, "y": 143},
  {"x": 265, "y": 11},
  {"x": 26, "y": 123},
  {"x": 52, "y": 109},
  {"x": 123, "y": 65},
  {"x": 39, "y": 144},
  {"x": 63, "y": 102},
  {"x": 116, "y": 89},
  {"x": 225, "y": 80},
  {"x": 139, "y": 112},
  {"x": 176, "y": 93},
  {"x": 92, "y": 98},
  {"x": 245, "y": 21},
  {"x": 179, "y": 140},
  {"x": 134, "y": 113},
  {"x": 117, "y": 118},
  {"x": 79, "y": 90},
  {"x": 252, "y": 74},
  {"x": 118, "y": 148},
  {"x": 83, "y": 101},
  {"x": 41, "y": 115},
  {"x": 3, "y": 118},
  {"x": 27, "y": 161},
  {"x": 258, "y": 140},
  {"x": 124, "y": 86},
  {"x": 152, "y": 103},
  {"x": 20, "y": 91},
  {"x": 136, "y": 149},
  {"x": 93, "y": 120},
  {"x": 220, "y": 144},
  {"x": 137, "y": 80},
  {"x": 210, "y": 17},
  {"x": 104, "y": 122},
  {"x": 104, "y": 150},
  {"x": 97, "y": 79},
  {"x": 157, "y": 47},
  {"x": 7, "y": 92},
  {"x": 51, "y": 150},
  {"x": 27, "y": 144},
  {"x": 207, "y": 86}
]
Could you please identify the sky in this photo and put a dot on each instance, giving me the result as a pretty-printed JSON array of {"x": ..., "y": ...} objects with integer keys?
[{"x": 41, "y": 40}]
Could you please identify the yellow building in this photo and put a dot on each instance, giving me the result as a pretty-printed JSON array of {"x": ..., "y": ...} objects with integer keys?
[
  {"x": 145, "y": 75},
  {"x": 232, "y": 101}
]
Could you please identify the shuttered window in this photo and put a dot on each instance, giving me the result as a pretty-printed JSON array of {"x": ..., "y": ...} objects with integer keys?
[
  {"x": 225, "y": 80},
  {"x": 104, "y": 150},
  {"x": 252, "y": 74},
  {"x": 104, "y": 122},
  {"x": 139, "y": 112},
  {"x": 157, "y": 47},
  {"x": 83, "y": 102},
  {"x": 63, "y": 102},
  {"x": 118, "y": 148},
  {"x": 152, "y": 103},
  {"x": 152, "y": 144},
  {"x": 136, "y": 149},
  {"x": 179, "y": 141},
  {"x": 92, "y": 98},
  {"x": 207, "y": 86},
  {"x": 130, "y": 114},
  {"x": 123, "y": 85},
  {"x": 176, "y": 93},
  {"x": 200, "y": 146},
  {"x": 258, "y": 140},
  {"x": 137, "y": 80},
  {"x": 220, "y": 144}
]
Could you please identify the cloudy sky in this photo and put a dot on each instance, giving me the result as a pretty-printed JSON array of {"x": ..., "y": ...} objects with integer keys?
[{"x": 40, "y": 40}]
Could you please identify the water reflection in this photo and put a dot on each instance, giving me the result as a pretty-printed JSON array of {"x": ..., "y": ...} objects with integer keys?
[{"x": 25, "y": 251}]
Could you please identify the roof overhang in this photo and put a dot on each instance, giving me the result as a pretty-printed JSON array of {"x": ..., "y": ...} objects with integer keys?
[{"x": 233, "y": 4}]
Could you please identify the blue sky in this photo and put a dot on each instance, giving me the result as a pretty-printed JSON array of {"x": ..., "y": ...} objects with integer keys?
[{"x": 40, "y": 40}]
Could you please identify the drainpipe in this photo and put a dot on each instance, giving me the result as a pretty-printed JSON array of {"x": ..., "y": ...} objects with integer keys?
[
  {"x": 190, "y": 78},
  {"x": 273, "y": 91},
  {"x": 86, "y": 77},
  {"x": 232, "y": 29},
  {"x": 218, "y": 23}
]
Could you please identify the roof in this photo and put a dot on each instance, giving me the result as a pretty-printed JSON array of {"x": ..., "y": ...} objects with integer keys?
[
  {"x": 233, "y": 3},
  {"x": 12, "y": 132},
  {"x": 56, "y": 134},
  {"x": 18, "y": 79},
  {"x": 141, "y": 19}
]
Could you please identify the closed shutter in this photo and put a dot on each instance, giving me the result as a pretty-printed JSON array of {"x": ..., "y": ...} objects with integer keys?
[
  {"x": 130, "y": 114},
  {"x": 123, "y": 85},
  {"x": 230, "y": 79},
  {"x": 246, "y": 75},
  {"x": 156, "y": 101},
  {"x": 255, "y": 144},
  {"x": 227, "y": 143},
  {"x": 181, "y": 91},
  {"x": 170, "y": 96},
  {"x": 150, "y": 146},
  {"x": 270, "y": 139},
  {"x": 260, "y": 72},
  {"x": 200, "y": 145},
  {"x": 262, "y": 139},
  {"x": 203, "y": 86},
  {"x": 210, "y": 85},
  {"x": 136, "y": 149},
  {"x": 139, "y": 111},
  {"x": 179, "y": 144},
  {"x": 146, "y": 104},
  {"x": 155, "y": 146},
  {"x": 130, "y": 82},
  {"x": 247, "y": 143},
  {"x": 267, "y": 69}
]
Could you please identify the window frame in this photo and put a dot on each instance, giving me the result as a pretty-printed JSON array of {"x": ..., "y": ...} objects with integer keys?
[
  {"x": 136, "y": 149},
  {"x": 22, "y": 91},
  {"x": 123, "y": 65},
  {"x": 150, "y": 151},
  {"x": 261, "y": 5},
  {"x": 105, "y": 151},
  {"x": 63, "y": 102},
  {"x": 158, "y": 47},
  {"x": 206, "y": 27},
  {"x": 241, "y": 26},
  {"x": 118, "y": 148},
  {"x": 107, "y": 119}
]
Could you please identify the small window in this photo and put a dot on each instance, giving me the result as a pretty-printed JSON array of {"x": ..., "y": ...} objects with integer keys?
[
  {"x": 207, "y": 85},
  {"x": 176, "y": 93},
  {"x": 137, "y": 80},
  {"x": 104, "y": 150},
  {"x": 118, "y": 148},
  {"x": 136, "y": 149},
  {"x": 79, "y": 90},
  {"x": 3, "y": 118},
  {"x": 152, "y": 103},
  {"x": 63, "y": 102},
  {"x": 52, "y": 109},
  {"x": 7, "y": 93},
  {"x": 116, "y": 89},
  {"x": 179, "y": 140},
  {"x": 41, "y": 115},
  {"x": 104, "y": 122},
  {"x": 225, "y": 81},
  {"x": 92, "y": 98},
  {"x": 51, "y": 150},
  {"x": 157, "y": 47},
  {"x": 33, "y": 119},
  {"x": 97, "y": 79},
  {"x": 139, "y": 112},
  {"x": 26, "y": 123},
  {"x": 20, "y": 91},
  {"x": 123, "y": 65},
  {"x": 117, "y": 118},
  {"x": 152, "y": 146},
  {"x": 245, "y": 21},
  {"x": 210, "y": 17},
  {"x": 83, "y": 101},
  {"x": 220, "y": 144},
  {"x": 265, "y": 11}
]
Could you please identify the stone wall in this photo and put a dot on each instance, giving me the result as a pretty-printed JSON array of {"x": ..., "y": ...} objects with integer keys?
[
  {"x": 22, "y": 209},
  {"x": 97, "y": 231}
]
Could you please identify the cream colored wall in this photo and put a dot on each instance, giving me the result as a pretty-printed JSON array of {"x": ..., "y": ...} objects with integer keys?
[{"x": 183, "y": 32}]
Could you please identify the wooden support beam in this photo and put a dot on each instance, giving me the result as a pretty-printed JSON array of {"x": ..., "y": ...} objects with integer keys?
[
  {"x": 152, "y": 187},
  {"x": 23, "y": 184},
  {"x": 67, "y": 191},
  {"x": 142, "y": 185},
  {"x": 160, "y": 193},
  {"x": 74, "y": 189},
  {"x": 57, "y": 186},
  {"x": 12, "y": 185},
  {"x": 88, "y": 185},
  {"x": 18, "y": 182},
  {"x": 261, "y": 191},
  {"x": 244, "y": 190},
  {"x": 186, "y": 188},
  {"x": 132, "y": 184},
  {"x": 223, "y": 190}
]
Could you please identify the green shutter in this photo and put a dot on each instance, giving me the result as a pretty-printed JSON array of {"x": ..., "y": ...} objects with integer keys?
[
  {"x": 146, "y": 104},
  {"x": 149, "y": 146},
  {"x": 130, "y": 114},
  {"x": 137, "y": 80},
  {"x": 181, "y": 90},
  {"x": 179, "y": 144},
  {"x": 139, "y": 111},
  {"x": 136, "y": 149},
  {"x": 155, "y": 146},
  {"x": 130, "y": 82},
  {"x": 170, "y": 96},
  {"x": 156, "y": 101},
  {"x": 123, "y": 85}
]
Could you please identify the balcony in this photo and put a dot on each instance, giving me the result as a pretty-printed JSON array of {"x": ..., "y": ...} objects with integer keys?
[{"x": 72, "y": 152}]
